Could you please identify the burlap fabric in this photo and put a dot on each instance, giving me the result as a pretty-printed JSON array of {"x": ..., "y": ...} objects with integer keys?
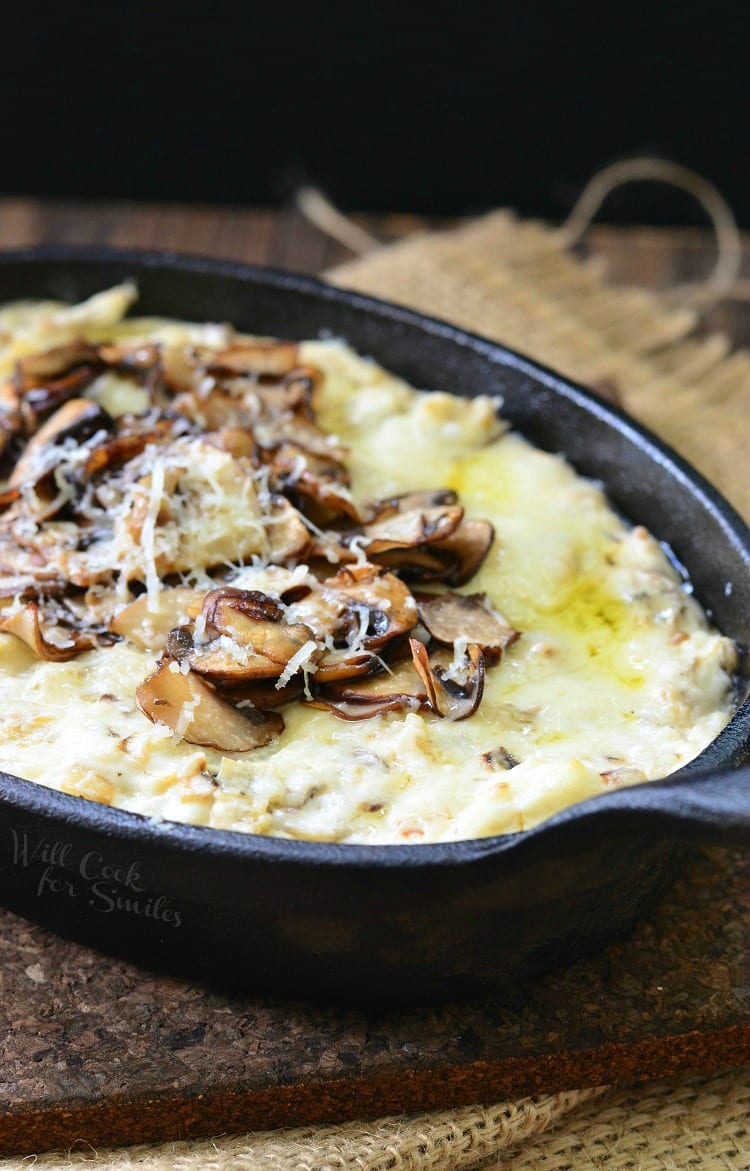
[{"x": 516, "y": 282}]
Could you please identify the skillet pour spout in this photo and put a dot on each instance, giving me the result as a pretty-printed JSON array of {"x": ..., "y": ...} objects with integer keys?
[
  {"x": 709, "y": 809},
  {"x": 388, "y": 924}
]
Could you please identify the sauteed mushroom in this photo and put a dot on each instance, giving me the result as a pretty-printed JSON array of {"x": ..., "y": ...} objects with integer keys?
[
  {"x": 453, "y": 694},
  {"x": 464, "y": 550},
  {"x": 341, "y": 641},
  {"x": 247, "y": 638},
  {"x": 399, "y": 689},
  {"x": 26, "y": 625},
  {"x": 449, "y": 617},
  {"x": 380, "y": 606},
  {"x": 149, "y": 628},
  {"x": 195, "y": 712},
  {"x": 79, "y": 419},
  {"x": 255, "y": 357},
  {"x": 288, "y": 535}
]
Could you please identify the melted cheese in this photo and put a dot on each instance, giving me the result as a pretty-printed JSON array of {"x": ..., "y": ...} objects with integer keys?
[{"x": 617, "y": 676}]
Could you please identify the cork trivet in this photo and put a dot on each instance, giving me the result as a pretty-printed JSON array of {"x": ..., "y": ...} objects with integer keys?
[
  {"x": 97, "y": 1049},
  {"x": 676, "y": 995}
]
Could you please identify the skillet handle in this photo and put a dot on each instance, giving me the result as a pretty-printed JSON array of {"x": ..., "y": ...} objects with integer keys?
[{"x": 713, "y": 809}]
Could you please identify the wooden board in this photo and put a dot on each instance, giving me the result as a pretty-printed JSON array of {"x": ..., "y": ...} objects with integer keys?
[{"x": 96, "y": 1049}]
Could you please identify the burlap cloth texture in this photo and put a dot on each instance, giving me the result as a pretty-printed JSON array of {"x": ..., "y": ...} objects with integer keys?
[{"x": 514, "y": 281}]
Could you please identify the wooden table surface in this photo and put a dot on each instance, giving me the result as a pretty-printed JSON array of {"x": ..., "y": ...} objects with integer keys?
[{"x": 655, "y": 257}]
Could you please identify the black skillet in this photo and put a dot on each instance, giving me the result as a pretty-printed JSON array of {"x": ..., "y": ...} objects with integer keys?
[{"x": 387, "y": 923}]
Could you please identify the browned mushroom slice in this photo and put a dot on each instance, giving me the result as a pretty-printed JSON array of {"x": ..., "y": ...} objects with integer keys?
[
  {"x": 415, "y": 565},
  {"x": 46, "y": 381},
  {"x": 196, "y": 713},
  {"x": 237, "y": 441},
  {"x": 398, "y": 690},
  {"x": 41, "y": 369},
  {"x": 79, "y": 419},
  {"x": 26, "y": 625},
  {"x": 222, "y": 607},
  {"x": 288, "y": 535},
  {"x": 9, "y": 496},
  {"x": 318, "y": 479},
  {"x": 139, "y": 360},
  {"x": 380, "y": 607},
  {"x": 254, "y": 357},
  {"x": 291, "y": 395},
  {"x": 11, "y": 421},
  {"x": 247, "y": 639},
  {"x": 465, "y": 550},
  {"x": 215, "y": 409},
  {"x": 133, "y": 434},
  {"x": 180, "y": 369},
  {"x": 28, "y": 586},
  {"x": 305, "y": 437},
  {"x": 149, "y": 628},
  {"x": 263, "y": 693},
  {"x": 454, "y": 693},
  {"x": 228, "y": 659},
  {"x": 344, "y": 664},
  {"x": 347, "y": 710},
  {"x": 409, "y": 501},
  {"x": 449, "y": 617},
  {"x": 413, "y": 527}
]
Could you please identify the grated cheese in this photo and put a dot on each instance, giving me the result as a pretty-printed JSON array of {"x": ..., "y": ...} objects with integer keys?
[
  {"x": 297, "y": 660},
  {"x": 148, "y": 534}
]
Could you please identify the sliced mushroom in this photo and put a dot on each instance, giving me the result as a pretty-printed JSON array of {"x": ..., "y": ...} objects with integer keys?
[
  {"x": 409, "y": 528},
  {"x": 318, "y": 483},
  {"x": 254, "y": 357},
  {"x": 217, "y": 408},
  {"x": 499, "y": 758},
  {"x": 347, "y": 710},
  {"x": 380, "y": 606},
  {"x": 9, "y": 496},
  {"x": 454, "y": 695},
  {"x": 449, "y": 617},
  {"x": 125, "y": 445},
  {"x": 411, "y": 501},
  {"x": 288, "y": 535},
  {"x": 398, "y": 690},
  {"x": 237, "y": 441},
  {"x": 26, "y": 625},
  {"x": 413, "y": 565},
  {"x": 80, "y": 418},
  {"x": 46, "y": 381},
  {"x": 294, "y": 393},
  {"x": 149, "y": 628},
  {"x": 465, "y": 550},
  {"x": 263, "y": 693},
  {"x": 344, "y": 664},
  {"x": 222, "y": 606},
  {"x": 453, "y": 560},
  {"x": 194, "y": 711},
  {"x": 40, "y": 369},
  {"x": 139, "y": 360},
  {"x": 180, "y": 369},
  {"x": 246, "y": 638}
]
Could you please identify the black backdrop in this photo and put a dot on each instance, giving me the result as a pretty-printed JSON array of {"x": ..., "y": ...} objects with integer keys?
[{"x": 388, "y": 105}]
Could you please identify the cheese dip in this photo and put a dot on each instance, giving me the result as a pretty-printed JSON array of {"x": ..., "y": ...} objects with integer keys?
[{"x": 269, "y": 587}]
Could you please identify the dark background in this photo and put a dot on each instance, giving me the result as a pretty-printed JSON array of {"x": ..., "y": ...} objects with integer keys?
[{"x": 441, "y": 108}]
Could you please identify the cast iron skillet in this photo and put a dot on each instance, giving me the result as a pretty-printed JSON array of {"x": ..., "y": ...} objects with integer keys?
[{"x": 387, "y": 923}]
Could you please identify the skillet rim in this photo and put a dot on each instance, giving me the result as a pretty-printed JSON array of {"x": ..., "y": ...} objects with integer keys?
[{"x": 38, "y": 800}]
